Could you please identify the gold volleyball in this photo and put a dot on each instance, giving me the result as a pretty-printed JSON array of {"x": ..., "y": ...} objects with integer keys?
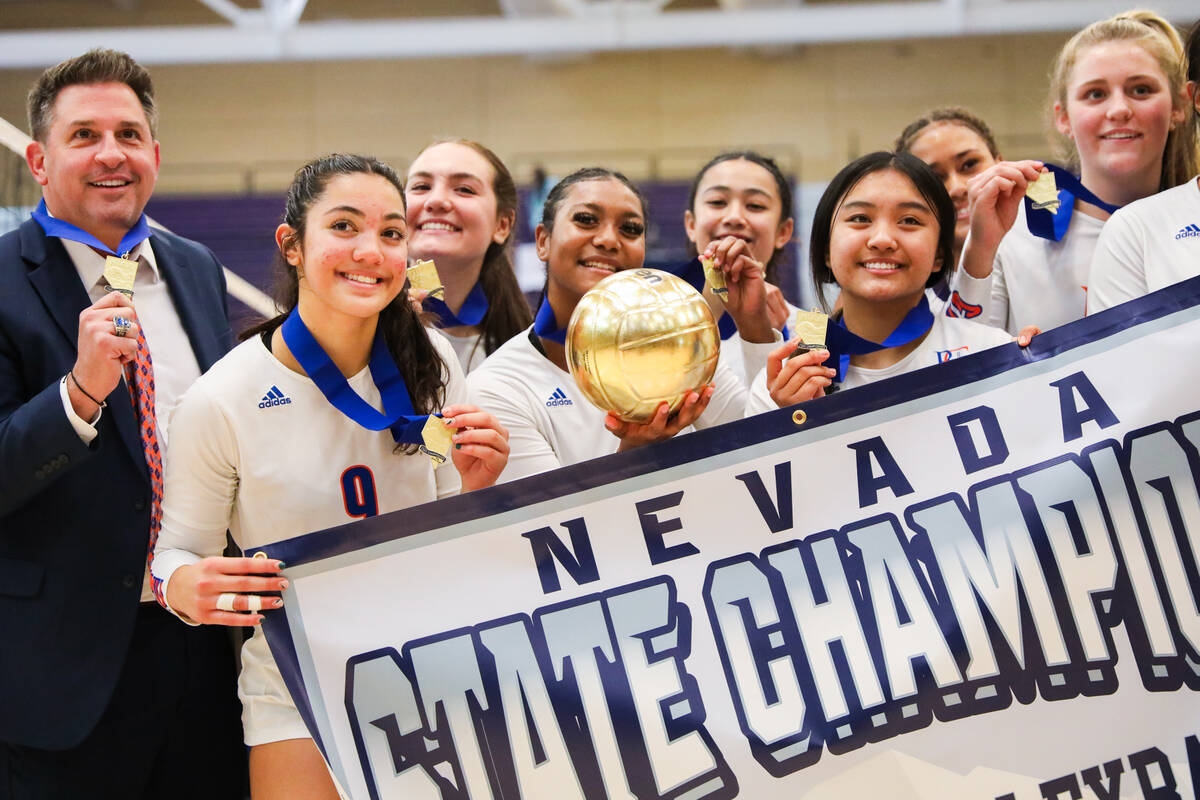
[{"x": 640, "y": 338}]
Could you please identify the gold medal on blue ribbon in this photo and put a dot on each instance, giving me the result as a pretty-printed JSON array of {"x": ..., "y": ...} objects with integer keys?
[
  {"x": 438, "y": 440},
  {"x": 1044, "y": 192},
  {"x": 714, "y": 277},
  {"x": 120, "y": 272},
  {"x": 424, "y": 275},
  {"x": 810, "y": 327}
]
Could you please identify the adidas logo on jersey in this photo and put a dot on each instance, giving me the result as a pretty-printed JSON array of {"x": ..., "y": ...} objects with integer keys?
[
  {"x": 559, "y": 398},
  {"x": 274, "y": 398},
  {"x": 1188, "y": 230}
]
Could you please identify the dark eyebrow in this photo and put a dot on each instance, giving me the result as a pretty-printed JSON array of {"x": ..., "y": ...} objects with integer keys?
[
  {"x": 356, "y": 212},
  {"x": 596, "y": 208},
  {"x": 125, "y": 123},
  {"x": 455, "y": 176},
  {"x": 905, "y": 204},
  {"x": 748, "y": 190},
  {"x": 967, "y": 152}
]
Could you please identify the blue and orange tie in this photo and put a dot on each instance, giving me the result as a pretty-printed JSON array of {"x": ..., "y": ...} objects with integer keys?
[{"x": 139, "y": 374}]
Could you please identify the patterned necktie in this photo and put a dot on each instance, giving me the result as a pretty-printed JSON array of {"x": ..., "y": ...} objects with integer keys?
[{"x": 139, "y": 374}]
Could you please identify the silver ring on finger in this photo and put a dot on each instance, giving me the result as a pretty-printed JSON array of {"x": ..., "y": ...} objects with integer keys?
[
  {"x": 225, "y": 601},
  {"x": 121, "y": 326}
]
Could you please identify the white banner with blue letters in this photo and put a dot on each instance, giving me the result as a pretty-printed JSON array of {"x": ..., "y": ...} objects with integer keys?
[{"x": 978, "y": 580}]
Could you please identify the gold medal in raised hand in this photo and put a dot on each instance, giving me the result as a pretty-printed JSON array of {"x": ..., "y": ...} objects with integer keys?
[
  {"x": 424, "y": 275},
  {"x": 714, "y": 277},
  {"x": 120, "y": 272},
  {"x": 1044, "y": 192},
  {"x": 437, "y": 440},
  {"x": 810, "y": 327}
]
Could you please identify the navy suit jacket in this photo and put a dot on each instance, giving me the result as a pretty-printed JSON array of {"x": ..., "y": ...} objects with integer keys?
[{"x": 74, "y": 519}]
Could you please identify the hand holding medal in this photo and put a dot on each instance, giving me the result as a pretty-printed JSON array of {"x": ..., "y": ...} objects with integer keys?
[
  {"x": 480, "y": 444},
  {"x": 796, "y": 372}
]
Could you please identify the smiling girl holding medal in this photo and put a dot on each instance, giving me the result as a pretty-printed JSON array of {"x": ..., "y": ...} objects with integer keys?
[
  {"x": 882, "y": 231},
  {"x": 1117, "y": 98},
  {"x": 462, "y": 208},
  {"x": 740, "y": 209},
  {"x": 283, "y": 436},
  {"x": 594, "y": 224}
]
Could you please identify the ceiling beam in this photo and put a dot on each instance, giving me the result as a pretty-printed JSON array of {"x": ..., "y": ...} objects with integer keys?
[{"x": 484, "y": 36}]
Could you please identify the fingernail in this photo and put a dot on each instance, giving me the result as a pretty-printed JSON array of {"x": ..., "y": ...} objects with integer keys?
[
  {"x": 283, "y": 585},
  {"x": 280, "y": 564},
  {"x": 458, "y": 447},
  {"x": 278, "y": 602},
  {"x": 448, "y": 420}
]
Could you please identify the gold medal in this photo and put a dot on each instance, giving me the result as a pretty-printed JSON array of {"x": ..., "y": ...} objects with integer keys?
[
  {"x": 120, "y": 272},
  {"x": 714, "y": 277},
  {"x": 424, "y": 275},
  {"x": 1044, "y": 192},
  {"x": 810, "y": 327},
  {"x": 437, "y": 440}
]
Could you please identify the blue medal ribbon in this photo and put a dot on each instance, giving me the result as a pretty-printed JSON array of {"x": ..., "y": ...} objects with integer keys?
[
  {"x": 842, "y": 344},
  {"x": 397, "y": 416},
  {"x": 545, "y": 324},
  {"x": 60, "y": 229},
  {"x": 473, "y": 309},
  {"x": 1052, "y": 225}
]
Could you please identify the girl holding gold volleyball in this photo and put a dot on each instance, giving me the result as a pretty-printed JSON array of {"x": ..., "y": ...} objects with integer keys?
[
  {"x": 1118, "y": 102},
  {"x": 883, "y": 231},
  {"x": 269, "y": 443},
  {"x": 462, "y": 208},
  {"x": 594, "y": 224}
]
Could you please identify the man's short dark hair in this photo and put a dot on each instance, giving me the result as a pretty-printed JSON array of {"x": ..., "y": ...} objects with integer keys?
[{"x": 94, "y": 66}]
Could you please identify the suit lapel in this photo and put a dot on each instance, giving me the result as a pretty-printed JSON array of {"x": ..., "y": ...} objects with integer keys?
[
  {"x": 56, "y": 281},
  {"x": 189, "y": 298}
]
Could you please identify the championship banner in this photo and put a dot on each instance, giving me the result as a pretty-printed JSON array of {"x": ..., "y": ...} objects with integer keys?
[{"x": 978, "y": 580}]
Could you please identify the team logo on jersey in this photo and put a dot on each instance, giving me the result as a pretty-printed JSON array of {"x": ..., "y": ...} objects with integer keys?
[
  {"x": 945, "y": 355},
  {"x": 559, "y": 398},
  {"x": 1188, "y": 230},
  {"x": 274, "y": 398},
  {"x": 957, "y": 307}
]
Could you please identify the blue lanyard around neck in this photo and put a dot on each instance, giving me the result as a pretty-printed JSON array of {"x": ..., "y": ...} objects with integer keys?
[
  {"x": 842, "y": 344},
  {"x": 1052, "y": 225},
  {"x": 61, "y": 229},
  {"x": 397, "y": 416},
  {"x": 474, "y": 307},
  {"x": 545, "y": 324}
]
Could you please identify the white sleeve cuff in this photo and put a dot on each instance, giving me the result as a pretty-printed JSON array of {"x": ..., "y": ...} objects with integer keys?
[
  {"x": 86, "y": 430},
  {"x": 754, "y": 354},
  {"x": 163, "y": 567},
  {"x": 760, "y": 400}
]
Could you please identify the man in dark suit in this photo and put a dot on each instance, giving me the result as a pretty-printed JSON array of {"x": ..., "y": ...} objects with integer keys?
[{"x": 102, "y": 692}]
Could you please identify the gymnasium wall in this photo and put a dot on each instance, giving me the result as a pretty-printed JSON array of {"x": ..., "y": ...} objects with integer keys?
[{"x": 245, "y": 127}]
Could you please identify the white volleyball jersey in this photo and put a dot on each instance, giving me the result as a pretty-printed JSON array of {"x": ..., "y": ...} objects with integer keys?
[
  {"x": 1151, "y": 243},
  {"x": 1034, "y": 281},
  {"x": 468, "y": 349},
  {"x": 258, "y": 450},
  {"x": 949, "y": 338},
  {"x": 549, "y": 420}
]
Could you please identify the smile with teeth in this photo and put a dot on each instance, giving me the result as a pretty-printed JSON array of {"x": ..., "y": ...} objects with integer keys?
[
  {"x": 881, "y": 265},
  {"x": 359, "y": 278},
  {"x": 598, "y": 265},
  {"x": 1121, "y": 135},
  {"x": 436, "y": 226},
  {"x": 112, "y": 183}
]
